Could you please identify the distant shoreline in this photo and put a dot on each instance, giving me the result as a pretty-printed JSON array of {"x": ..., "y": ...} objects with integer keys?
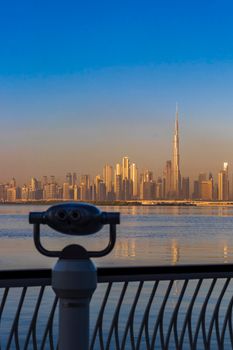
[{"x": 153, "y": 203}]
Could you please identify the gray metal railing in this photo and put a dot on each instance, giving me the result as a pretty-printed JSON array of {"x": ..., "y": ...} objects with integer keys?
[{"x": 169, "y": 307}]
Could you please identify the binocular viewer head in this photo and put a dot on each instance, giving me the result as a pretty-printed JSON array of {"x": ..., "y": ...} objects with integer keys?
[{"x": 75, "y": 218}]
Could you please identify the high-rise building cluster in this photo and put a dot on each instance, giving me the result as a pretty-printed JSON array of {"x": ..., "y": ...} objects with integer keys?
[{"x": 124, "y": 182}]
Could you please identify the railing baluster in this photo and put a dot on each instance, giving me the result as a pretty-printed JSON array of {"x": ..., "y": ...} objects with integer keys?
[
  {"x": 32, "y": 328},
  {"x": 159, "y": 322},
  {"x": 188, "y": 317},
  {"x": 144, "y": 323},
  {"x": 173, "y": 322},
  {"x": 99, "y": 322},
  {"x": 3, "y": 302},
  {"x": 48, "y": 326},
  {"x": 133, "y": 313},
  {"x": 202, "y": 313},
  {"x": 226, "y": 321},
  {"x": 15, "y": 325},
  {"x": 230, "y": 326},
  {"x": 215, "y": 316},
  {"x": 4, "y": 297},
  {"x": 114, "y": 325},
  {"x": 129, "y": 324}
]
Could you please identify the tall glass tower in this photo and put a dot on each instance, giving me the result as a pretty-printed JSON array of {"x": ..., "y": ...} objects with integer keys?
[{"x": 176, "y": 177}]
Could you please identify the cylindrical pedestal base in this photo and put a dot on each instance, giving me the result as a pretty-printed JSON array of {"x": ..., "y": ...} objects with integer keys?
[
  {"x": 74, "y": 282},
  {"x": 74, "y": 324}
]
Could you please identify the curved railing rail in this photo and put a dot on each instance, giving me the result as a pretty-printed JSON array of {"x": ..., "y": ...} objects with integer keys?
[{"x": 166, "y": 307}]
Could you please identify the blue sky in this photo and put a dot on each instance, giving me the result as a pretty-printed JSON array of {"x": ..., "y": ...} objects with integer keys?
[{"x": 84, "y": 83}]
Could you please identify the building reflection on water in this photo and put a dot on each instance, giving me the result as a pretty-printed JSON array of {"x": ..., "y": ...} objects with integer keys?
[
  {"x": 222, "y": 251},
  {"x": 126, "y": 248},
  {"x": 225, "y": 253},
  {"x": 175, "y": 252},
  {"x": 133, "y": 249}
]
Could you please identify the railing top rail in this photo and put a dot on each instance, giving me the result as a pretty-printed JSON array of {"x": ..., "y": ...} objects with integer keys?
[
  {"x": 42, "y": 277},
  {"x": 151, "y": 273},
  {"x": 24, "y": 278}
]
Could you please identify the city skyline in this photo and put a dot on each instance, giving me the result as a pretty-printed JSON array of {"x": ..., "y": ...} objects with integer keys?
[
  {"x": 81, "y": 85},
  {"x": 173, "y": 152},
  {"x": 121, "y": 184},
  {"x": 125, "y": 181},
  {"x": 199, "y": 154}
]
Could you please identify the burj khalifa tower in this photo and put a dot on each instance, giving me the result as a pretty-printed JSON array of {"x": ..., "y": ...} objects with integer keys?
[{"x": 176, "y": 177}]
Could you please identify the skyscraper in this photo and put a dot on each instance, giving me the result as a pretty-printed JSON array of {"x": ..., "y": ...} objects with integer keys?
[
  {"x": 44, "y": 180},
  {"x": 147, "y": 185},
  {"x": 118, "y": 187},
  {"x": 85, "y": 187},
  {"x": 185, "y": 188},
  {"x": 66, "y": 191},
  {"x": 134, "y": 179},
  {"x": 223, "y": 183},
  {"x": 176, "y": 178},
  {"x": 107, "y": 177},
  {"x": 126, "y": 182},
  {"x": 74, "y": 179},
  {"x": 125, "y": 168},
  {"x": 168, "y": 179},
  {"x": 206, "y": 190},
  {"x": 69, "y": 179}
]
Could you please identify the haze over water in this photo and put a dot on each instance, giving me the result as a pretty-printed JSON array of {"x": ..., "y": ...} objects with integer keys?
[{"x": 146, "y": 236}]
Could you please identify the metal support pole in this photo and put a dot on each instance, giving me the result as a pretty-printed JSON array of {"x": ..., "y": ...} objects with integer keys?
[{"x": 74, "y": 282}]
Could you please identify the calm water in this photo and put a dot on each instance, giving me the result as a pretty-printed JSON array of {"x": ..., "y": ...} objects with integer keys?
[{"x": 147, "y": 235}]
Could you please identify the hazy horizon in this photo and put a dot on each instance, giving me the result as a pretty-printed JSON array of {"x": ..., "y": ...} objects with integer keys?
[{"x": 82, "y": 85}]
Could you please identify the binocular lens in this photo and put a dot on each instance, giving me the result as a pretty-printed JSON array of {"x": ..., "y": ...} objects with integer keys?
[
  {"x": 61, "y": 214},
  {"x": 75, "y": 215}
]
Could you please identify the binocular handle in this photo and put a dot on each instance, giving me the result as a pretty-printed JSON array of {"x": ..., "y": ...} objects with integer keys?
[{"x": 74, "y": 251}]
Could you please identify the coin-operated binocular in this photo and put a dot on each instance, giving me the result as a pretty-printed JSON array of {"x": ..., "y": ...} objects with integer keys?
[{"x": 74, "y": 277}]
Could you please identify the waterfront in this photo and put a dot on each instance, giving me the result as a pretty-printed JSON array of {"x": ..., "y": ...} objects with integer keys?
[{"x": 146, "y": 236}]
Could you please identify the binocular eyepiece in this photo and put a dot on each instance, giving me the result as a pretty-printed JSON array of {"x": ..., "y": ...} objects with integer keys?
[{"x": 75, "y": 218}]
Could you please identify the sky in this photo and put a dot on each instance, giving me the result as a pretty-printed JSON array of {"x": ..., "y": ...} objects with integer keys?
[{"x": 84, "y": 83}]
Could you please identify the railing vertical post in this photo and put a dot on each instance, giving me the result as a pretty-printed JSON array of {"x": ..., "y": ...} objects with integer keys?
[{"x": 74, "y": 281}]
